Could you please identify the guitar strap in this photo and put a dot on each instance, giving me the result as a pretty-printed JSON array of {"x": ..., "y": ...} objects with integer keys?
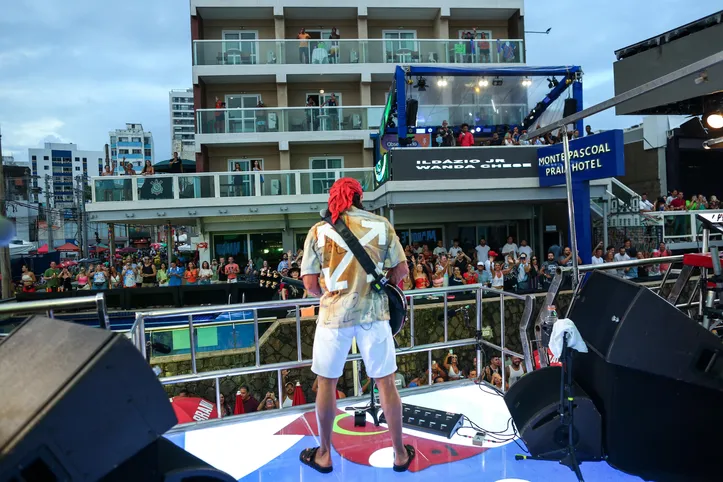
[{"x": 359, "y": 252}]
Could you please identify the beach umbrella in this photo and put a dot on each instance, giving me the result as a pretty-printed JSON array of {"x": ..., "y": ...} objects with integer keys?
[{"x": 299, "y": 398}]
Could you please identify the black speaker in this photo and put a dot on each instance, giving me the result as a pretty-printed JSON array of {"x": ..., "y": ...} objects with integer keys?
[
  {"x": 534, "y": 401},
  {"x": 653, "y": 374},
  {"x": 629, "y": 325},
  {"x": 412, "y": 109},
  {"x": 77, "y": 402},
  {"x": 570, "y": 107}
]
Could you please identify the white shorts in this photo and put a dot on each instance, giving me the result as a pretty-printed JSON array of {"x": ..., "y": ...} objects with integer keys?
[{"x": 374, "y": 341}]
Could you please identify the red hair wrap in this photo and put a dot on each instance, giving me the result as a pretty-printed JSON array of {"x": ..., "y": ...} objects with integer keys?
[{"x": 341, "y": 196}]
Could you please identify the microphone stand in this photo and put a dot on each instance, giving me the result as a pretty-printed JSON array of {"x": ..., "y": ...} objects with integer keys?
[{"x": 565, "y": 433}]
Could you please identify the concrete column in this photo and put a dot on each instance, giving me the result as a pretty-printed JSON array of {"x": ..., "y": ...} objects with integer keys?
[
  {"x": 284, "y": 158},
  {"x": 368, "y": 158},
  {"x": 361, "y": 24},
  {"x": 365, "y": 93},
  {"x": 202, "y": 162},
  {"x": 279, "y": 28},
  {"x": 287, "y": 240},
  {"x": 441, "y": 24},
  {"x": 282, "y": 95}
]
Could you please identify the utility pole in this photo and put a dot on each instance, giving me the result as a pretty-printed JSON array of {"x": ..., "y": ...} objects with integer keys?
[
  {"x": 49, "y": 213},
  {"x": 83, "y": 218},
  {"x": 4, "y": 250}
]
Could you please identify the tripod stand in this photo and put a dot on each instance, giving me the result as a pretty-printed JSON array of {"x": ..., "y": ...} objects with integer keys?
[
  {"x": 372, "y": 408},
  {"x": 565, "y": 433}
]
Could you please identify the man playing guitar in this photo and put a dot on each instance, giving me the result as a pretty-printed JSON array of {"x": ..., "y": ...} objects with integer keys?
[{"x": 350, "y": 308}]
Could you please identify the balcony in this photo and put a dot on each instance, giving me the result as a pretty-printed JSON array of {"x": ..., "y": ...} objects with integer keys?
[
  {"x": 234, "y": 192},
  {"x": 248, "y": 125},
  {"x": 329, "y": 55}
]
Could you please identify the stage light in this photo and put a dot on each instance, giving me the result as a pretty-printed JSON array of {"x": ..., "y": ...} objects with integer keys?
[
  {"x": 421, "y": 84},
  {"x": 526, "y": 82},
  {"x": 552, "y": 83},
  {"x": 477, "y": 90},
  {"x": 497, "y": 82},
  {"x": 483, "y": 83},
  {"x": 714, "y": 120},
  {"x": 441, "y": 82}
]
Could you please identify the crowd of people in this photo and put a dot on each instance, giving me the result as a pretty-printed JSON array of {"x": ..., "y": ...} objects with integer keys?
[{"x": 447, "y": 136}]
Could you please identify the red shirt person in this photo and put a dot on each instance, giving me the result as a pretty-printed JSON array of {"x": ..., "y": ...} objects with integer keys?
[
  {"x": 465, "y": 138},
  {"x": 231, "y": 270}
]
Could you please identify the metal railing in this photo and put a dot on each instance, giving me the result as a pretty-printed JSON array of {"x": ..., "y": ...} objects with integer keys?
[
  {"x": 272, "y": 120},
  {"x": 564, "y": 273},
  {"x": 50, "y": 306},
  {"x": 137, "y": 334},
  {"x": 357, "y": 51},
  {"x": 214, "y": 185}
]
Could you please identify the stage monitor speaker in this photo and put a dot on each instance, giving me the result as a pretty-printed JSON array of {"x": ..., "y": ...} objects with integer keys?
[
  {"x": 534, "y": 402},
  {"x": 412, "y": 109},
  {"x": 655, "y": 376},
  {"x": 76, "y": 402},
  {"x": 629, "y": 325},
  {"x": 569, "y": 108}
]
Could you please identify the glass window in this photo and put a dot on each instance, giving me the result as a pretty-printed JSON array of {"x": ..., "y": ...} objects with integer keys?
[
  {"x": 113, "y": 139},
  {"x": 136, "y": 139},
  {"x": 85, "y": 159},
  {"x": 45, "y": 158},
  {"x": 122, "y": 139},
  {"x": 321, "y": 182},
  {"x": 266, "y": 247},
  {"x": 225, "y": 245},
  {"x": 428, "y": 236},
  {"x": 77, "y": 168},
  {"x": 77, "y": 159},
  {"x": 47, "y": 168}
]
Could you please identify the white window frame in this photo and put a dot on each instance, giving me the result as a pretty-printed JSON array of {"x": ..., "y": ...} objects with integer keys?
[
  {"x": 399, "y": 31},
  {"x": 311, "y": 172},
  {"x": 254, "y": 54},
  {"x": 339, "y": 111},
  {"x": 248, "y": 183},
  {"x": 229, "y": 117}
]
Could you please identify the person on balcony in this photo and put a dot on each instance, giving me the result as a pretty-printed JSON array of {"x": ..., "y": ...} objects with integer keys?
[
  {"x": 148, "y": 169},
  {"x": 256, "y": 167},
  {"x": 303, "y": 46},
  {"x": 335, "y": 50},
  {"x": 176, "y": 164},
  {"x": 465, "y": 139}
]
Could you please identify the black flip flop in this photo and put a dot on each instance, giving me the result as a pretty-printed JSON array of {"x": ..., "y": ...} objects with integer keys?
[
  {"x": 307, "y": 458},
  {"x": 411, "y": 453}
]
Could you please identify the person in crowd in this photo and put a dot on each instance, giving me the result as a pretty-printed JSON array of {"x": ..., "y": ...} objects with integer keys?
[
  {"x": 455, "y": 249},
  {"x": 493, "y": 368},
  {"x": 498, "y": 277},
  {"x": 549, "y": 269},
  {"x": 148, "y": 273},
  {"x": 451, "y": 365},
  {"x": 304, "y": 54},
  {"x": 483, "y": 275},
  {"x": 162, "y": 275},
  {"x": 534, "y": 273},
  {"x": 439, "y": 250},
  {"x": 52, "y": 278},
  {"x": 421, "y": 280},
  {"x": 205, "y": 274},
  {"x": 514, "y": 371},
  {"x": 284, "y": 263},
  {"x": 289, "y": 389},
  {"x": 100, "y": 278},
  {"x": 148, "y": 169},
  {"x": 441, "y": 273},
  {"x": 525, "y": 249},
  {"x": 250, "y": 270},
  {"x": 256, "y": 167},
  {"x": 510, "y": 248},
  {"x": 482, "y": 250},
  {"x": 214, "y": 271},
  {"x": 28, "y": 280},
  {"x": 191, "y": 274},
  {"x": 222, "y": 277},
  {"x": 566, "y": 258},
  {"x": 225, "y": 407},
  {"x": 445, "y": 136},
  {"x": 622, "y": 256},
  {"x": 714, "y": 203},
  {"x": 238, "y": 180},
  {"x": 465, "y": 139},
  {"x": 509, "y": 270},
  {"x": 114, "y": 278},
  {"x": 250, "y": 403},
  {"x": 523, "y": 273},
  {"x": 269, "y": 402},
  {"x": 66, "y": 280},
  {"x": 456, "y": 279},
  {"x": 232, "y": 270},
  {"x": 83, "y": 283},
  {"x": 588, "y": 130},
  {"x": 139, "y": 274},
  {"x": 597, "y": 254},
  {"x": 470, "y": 276},
  {"x": 335, "y": 50},
  {"x": 290, "y": 291},
  {"x": 129, "y": 276},
  {"x": 175, "y": 275}
]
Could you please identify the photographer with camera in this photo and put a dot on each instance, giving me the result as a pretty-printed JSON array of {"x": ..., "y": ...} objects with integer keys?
[{"x": 269, "y": 402}]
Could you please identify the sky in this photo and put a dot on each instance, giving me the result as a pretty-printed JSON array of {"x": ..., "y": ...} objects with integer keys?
[{"x": 71, "y": 71}]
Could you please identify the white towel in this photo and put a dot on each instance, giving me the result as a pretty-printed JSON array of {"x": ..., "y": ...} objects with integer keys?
[{"x": 561, "y": 328}]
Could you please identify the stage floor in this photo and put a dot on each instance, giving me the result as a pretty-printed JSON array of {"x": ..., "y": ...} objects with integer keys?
[{"x": 266, "y": 446}]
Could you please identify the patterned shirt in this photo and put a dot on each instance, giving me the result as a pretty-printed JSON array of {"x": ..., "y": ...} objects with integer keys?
[{"x": 348, "y": 298}]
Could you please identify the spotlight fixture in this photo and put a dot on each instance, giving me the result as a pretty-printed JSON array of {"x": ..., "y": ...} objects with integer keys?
[
  {"x": 552, "y": 83},
  {"x": 477, "y": 90},
  {"x": 497, "y": 81},
  {"x": 483, "y": 82},
  {"x": 526, "y": 82},
  {"x": 421, "y": 84},
  {"x": 714, "y": 119},
  {"x": 321, "y": 91},
  {"x": 442, "y": 82}
]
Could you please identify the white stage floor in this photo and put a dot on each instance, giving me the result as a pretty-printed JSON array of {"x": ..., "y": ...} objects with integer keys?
[{"x": 266, "y": 447}]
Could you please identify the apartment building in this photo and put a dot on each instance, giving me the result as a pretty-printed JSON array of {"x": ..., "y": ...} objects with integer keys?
[
  {"x": 132, "y": 144},
  {"x": 180, "y": 106}
]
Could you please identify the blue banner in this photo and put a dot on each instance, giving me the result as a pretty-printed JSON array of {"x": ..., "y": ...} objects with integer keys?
[{"x": 591, "y": 157}]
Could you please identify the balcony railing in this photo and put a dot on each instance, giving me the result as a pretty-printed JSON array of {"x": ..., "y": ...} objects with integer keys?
[
  {"x": 287, "y": 119},
  {"x": 357, "y": 51},
  {"x": 109, "y": 189}
]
